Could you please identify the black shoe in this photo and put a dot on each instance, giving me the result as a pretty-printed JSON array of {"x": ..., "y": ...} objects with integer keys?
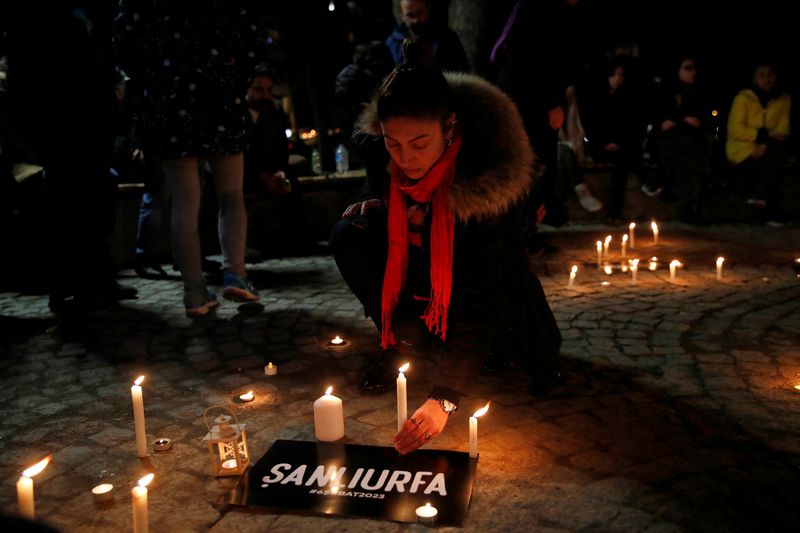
[
  {"x": 209, "y": 266},
  {"x": 544, "y": 382},
  {"x": 379, "y": 376},
  {"x": 493, "y": 366},
  {"x": 115, "y": 291},
  {"x": 150, "y": 271}
]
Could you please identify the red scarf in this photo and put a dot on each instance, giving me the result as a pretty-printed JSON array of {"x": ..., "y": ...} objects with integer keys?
[{"x": 434, "y": 187}]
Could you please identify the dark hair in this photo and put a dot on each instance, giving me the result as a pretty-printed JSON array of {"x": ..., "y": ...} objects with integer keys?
[
  {"x": 418, "y": 91},
  {"x": 263, "y": 70}
]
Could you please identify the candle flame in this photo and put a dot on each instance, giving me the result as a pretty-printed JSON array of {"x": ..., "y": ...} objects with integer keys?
[
  {"x": 427, "y": 504},
  {"x": 720, "y": 260},
  {"x": 675, "y": 263},
  {"x": 599, "y": 246},
  {"x": 145, "y": 480},
  {"x": 404, "y": 368},
  {"x": 574, "y": 269},
  {"x": 608, "y": 239},
  {"x": 270, "y": 364},
  {"x": 247, "y": 395},
  {"x": 632, "y": 225},
  {"x": 608, "y": 270},
  {"x": 482, "y": 411},
  {"x": 328, "y": 391},
  {"x": 634, "y": 264},
  {"x": 337, "y": 340},
  {"x": 625, "y": 238},
  {"x": 797, "y": 387},
  {"x": 139, "y": 380},
  {"x": 654, "y": 226},
  {"x": 37, "y": 468}
]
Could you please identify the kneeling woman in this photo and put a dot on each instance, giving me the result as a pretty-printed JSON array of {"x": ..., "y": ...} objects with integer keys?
[{"x": 444, "y": 240}]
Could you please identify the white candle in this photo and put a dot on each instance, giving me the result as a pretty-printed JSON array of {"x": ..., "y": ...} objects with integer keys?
[
  {"x": 623, "y": 247},
  {"x": 328, "y": 417},
  {"x": 426, "y": 514},
  {"x": 473, "y": 430},
  {"x": 653, "y": 263},
  {"x": 270, "y": 369},
  {"x": 103, "y": 492},
  {"x": 402, "y": 401},
  {"x": 631, "y": 227},
  {"x": 25, "y": 489},
  {"x": 337, "y": 340},
  {"x": 720, "y": 260},
  {"x": 139, "y": 497},
  {"x": 606, "y": 244},
  {"x": 138, "y": 417},
  {"x": 599, "y": 254},
  {"x": 572, "y": 273},
  {"x": 634, "y": 270},
  {"x": 248, "y": 396},
  {"x": 673, "y": 265},
  {"x": 654, "y": 226}
]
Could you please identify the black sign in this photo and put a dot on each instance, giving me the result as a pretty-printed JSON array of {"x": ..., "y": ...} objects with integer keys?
[{"x": 355, "y": 480}]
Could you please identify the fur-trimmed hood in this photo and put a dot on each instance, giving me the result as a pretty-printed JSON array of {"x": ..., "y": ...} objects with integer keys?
[{"x": 494, "y": 165}]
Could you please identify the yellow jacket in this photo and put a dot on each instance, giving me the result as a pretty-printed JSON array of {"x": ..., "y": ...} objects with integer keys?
[{"x": 747, "y": 116}]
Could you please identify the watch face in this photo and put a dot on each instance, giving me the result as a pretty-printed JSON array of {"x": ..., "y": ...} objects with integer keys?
[{"x": 449, "y": 407}]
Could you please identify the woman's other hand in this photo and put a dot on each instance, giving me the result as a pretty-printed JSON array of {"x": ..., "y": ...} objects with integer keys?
[{"x": 425, "y": 424}]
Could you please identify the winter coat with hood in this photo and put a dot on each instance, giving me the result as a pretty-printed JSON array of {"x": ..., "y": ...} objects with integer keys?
[{"x": 492, "y": 281}]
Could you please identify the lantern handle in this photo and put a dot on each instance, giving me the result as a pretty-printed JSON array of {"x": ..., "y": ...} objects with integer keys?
[{"x": 205, "y": 415}]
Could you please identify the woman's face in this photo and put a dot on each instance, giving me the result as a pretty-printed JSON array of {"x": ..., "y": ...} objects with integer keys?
[
  {"x": 687, "y": 71},
  {"x": 414, "y": 144},
  {"x": 617, "y": 78},
  {"x": 765, "y": 78}
]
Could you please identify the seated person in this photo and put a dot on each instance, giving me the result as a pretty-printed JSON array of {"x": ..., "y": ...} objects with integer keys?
[
  {"x": 443, "y": 240},
  {"x": 266, "y": 159}
]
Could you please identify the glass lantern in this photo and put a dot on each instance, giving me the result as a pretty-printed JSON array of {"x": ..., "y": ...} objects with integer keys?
[{"x": 227, "y": 444}]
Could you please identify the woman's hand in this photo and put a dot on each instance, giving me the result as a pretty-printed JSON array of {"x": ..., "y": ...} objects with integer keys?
[
  {"x": 692, "y": 121},
  {"x": 668, "y": 125},
  {"x": 361, "y": 208},
  {"x": 426, "y": 423}
]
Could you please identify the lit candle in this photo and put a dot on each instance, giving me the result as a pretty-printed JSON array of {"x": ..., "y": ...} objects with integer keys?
[
  {"x": 653, "y": 263},
  {"x": 720, "y": 260},
  {"x": 654, "y": 226},
  {"x": 25, "y": 489},
  {"x": 270, "y": 369},
  {"x": 623, "y": 247},
  {"x": 426, "y": 514},
  {"x": 599, "y": 245},
  {"x": 473, "y": 430},
  {"x": 572, "y": 273},
  {"x": 634, "y": 270},
  {"x": 608, "y": 269},
  {"x": 337, "y": 340},
  {"x": 631, "y": 227},
  {"x": 402, "y": 401},
  {"x": 139, "y": 496},
  {"x": 606, "y": 244},
  {"x": 328, "y": 417},
  {"x": 103, "y": 492},
  {"x": 138, "y": 417},
  {"x": 248, "y": 396},
  {"x": 230, "y": 464},
  {"x": 673, "y": 265}
]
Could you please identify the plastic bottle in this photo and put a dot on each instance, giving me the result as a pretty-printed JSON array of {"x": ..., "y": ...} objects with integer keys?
[
  {"x": 342, "y": 160},
  {"x": 316, "y": 163}
]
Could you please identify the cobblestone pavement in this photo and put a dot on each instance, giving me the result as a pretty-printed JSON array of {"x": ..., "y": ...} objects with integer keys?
[{"x": 679, "y": 413}]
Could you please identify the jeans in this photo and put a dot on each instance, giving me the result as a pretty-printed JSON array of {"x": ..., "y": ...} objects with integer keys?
[{"x": 182, "y": 177}]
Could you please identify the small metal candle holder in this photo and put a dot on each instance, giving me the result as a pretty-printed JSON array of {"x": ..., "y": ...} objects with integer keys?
[
  {"x": 227, "y": 444},
  {"x": 337, "y": 342},
  {"x": 162, "y": 444}
]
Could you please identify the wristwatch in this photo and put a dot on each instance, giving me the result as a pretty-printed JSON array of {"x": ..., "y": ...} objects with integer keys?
[{"x": 446, "y": 405}]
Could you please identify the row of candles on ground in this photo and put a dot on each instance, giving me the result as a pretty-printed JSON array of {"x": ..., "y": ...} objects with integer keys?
[
  {"x": 329, "y": 414},
  {"x": 100, "y": 493},
  {"x": 328, "y": 426},
  {"x": 633, "y": 266}
]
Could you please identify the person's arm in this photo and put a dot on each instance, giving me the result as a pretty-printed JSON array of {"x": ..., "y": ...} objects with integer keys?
[
  {"x": 738, "y": 128},
  {"x": 428, "y": 421}
]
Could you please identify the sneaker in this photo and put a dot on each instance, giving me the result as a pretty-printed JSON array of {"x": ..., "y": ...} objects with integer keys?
[
  {"x": 238, "y": 289},
  {"x": 585, "y": 198},
  {"x": 652, "y": 191},
  {"x": 202, "y": 310},
  {"x": 757, "y": 202}
]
